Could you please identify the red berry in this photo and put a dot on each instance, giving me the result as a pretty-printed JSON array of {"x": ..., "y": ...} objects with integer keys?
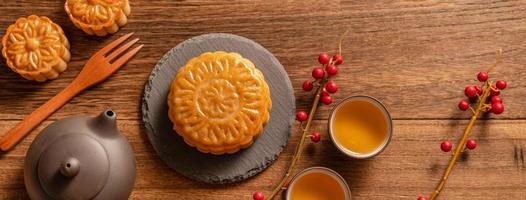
[
  {"x": 318, "y": 73},
  {"x": 338, "y": 59},
  {"x": 331, "y": 87},
  {"x": 286, "y": 185},
  {"x": 258, "y": 196},
  {"x": 501, "y": 84},
  {"x": 323, "y": 58},
  {"x": 496, "y": 99},
  {"x": 307, "y": 86},
  {"x": 421, "y": 198},
  {"x": 471, "y": 144},
  {"x": 463, "y": 105},
  {"x": 470, "y": 91},
  {"x": 315, "y": 137},
  {"x": 446, "y": 146},
  {"x": 331, "y": 70},
  {"x": 324, "y": 92},
  {"x": 301, "y": 116},
  {"x": 479, "y": 90},
  {"x": 494, "y": 92},
  {"x": 326, "y": 99},
  {"x": 482, "y": 76},
  {"x": 497, "y": 108}
]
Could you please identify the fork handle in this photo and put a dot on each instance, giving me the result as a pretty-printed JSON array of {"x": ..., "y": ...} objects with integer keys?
[{"x": 24, "y": 127}]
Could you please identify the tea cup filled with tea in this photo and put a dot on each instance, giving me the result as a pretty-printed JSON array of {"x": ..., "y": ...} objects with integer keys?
[
  {"x": 360, "y": 126},
  {"x": 318, "y": 183}
]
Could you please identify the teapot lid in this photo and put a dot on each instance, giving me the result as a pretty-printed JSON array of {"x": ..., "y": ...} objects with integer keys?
[{"x": 71, "y": 163}]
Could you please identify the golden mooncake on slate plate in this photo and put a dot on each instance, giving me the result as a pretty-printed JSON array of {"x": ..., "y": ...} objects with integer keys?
[
  {"x": 98, "y": 17},
  {"x": 219, "y": 102},
  {"x": 36, "y": 48}
]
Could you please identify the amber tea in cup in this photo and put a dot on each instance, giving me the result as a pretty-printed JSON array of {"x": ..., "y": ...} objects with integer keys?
[
  {"x": 318, "y": 183},
  {"x": 360, "y": 126}
]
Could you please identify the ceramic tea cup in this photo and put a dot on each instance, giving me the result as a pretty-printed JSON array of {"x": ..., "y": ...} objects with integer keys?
[
  {"x": 360, "y": 127},
  {"x": 318, "y": 183}
]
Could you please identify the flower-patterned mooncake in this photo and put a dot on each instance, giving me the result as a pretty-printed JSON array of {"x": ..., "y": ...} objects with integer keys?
[
  {"x": 219, "y": 102},
  {"x": 36, "y": 48},
  {"x": 98, "y": 17}
]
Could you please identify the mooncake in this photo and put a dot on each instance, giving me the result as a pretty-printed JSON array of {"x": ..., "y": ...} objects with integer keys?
[
  {"x": 98, "y": 17},
  {"x": 219, "y": 102},
  {"x": 36, "y": 48}
]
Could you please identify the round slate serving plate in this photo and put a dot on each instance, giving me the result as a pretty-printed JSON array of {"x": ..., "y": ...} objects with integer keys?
[{"x": 227, "y": 168}]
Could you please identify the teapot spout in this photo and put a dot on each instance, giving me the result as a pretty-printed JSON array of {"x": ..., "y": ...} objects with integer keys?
[{"x": 106, "y": 121}]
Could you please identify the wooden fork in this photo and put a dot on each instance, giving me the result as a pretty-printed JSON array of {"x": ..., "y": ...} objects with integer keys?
[{"x": 99, "y": 67}]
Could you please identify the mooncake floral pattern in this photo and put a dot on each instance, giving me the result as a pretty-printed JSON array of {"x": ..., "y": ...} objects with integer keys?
[
  {"x": 219, "y": 102},
  {"x": 36, "y": 48},
  {"x": 98, "y": 17}
]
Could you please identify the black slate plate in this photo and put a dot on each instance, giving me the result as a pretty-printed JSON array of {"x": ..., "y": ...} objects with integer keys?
[{"x": 226, "y": 168}]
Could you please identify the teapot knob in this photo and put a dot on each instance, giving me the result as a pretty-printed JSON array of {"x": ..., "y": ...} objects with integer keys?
[{"x": 70, "y": 167}]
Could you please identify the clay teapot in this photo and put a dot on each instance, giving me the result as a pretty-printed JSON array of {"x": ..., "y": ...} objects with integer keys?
[{"x": 80, "y": 158}]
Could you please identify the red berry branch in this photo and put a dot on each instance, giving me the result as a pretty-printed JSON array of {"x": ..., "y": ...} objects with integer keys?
[
  {"x": 325, "y": 86},
  {"x": 485, "y": 99}
]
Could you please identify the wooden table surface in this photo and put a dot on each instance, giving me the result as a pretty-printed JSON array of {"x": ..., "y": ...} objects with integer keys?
[{"x": 415, "y": 56}]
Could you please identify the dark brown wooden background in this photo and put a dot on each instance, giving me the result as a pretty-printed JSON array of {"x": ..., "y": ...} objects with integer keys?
[{"x": 415, "y": 56}]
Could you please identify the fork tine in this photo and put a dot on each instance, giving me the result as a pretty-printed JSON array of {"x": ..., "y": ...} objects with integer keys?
[
  {"x": 121, "y": 49},
  {"x": 126, "y": 57},
  {"x": 114, "y": 44}
]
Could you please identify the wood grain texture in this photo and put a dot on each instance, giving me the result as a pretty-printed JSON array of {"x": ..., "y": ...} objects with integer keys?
[
  {"x": 415, "y": 56},
  {"x": 96, "y": 70}
]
